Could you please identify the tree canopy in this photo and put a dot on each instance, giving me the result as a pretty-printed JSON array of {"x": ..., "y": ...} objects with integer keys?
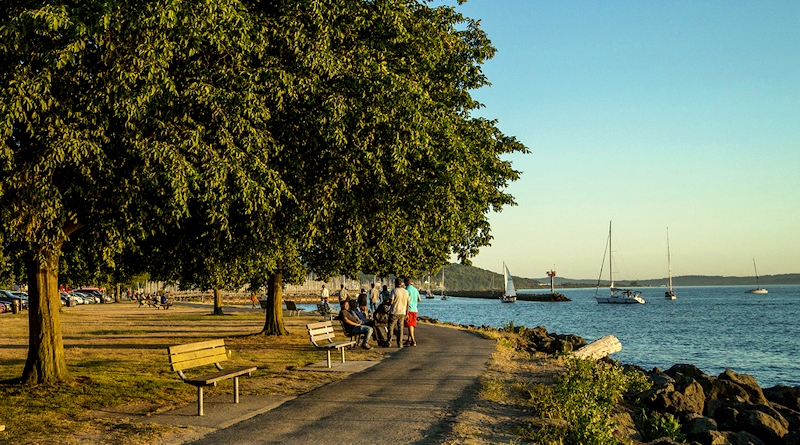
[{"x": 227, "y": 141}]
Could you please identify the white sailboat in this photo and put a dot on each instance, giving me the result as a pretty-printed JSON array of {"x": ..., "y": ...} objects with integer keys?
[
  {"x": 616, "y": 296},
  {"x": 428, "y": 294},
  {"x": 509, "y": 291},
  {"x": 757, "y": 290},
  {"x": 670, "y": 294}
]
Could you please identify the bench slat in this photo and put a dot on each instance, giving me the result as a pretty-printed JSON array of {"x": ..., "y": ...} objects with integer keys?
[
  {"x": 209, "y": 379},
  {"x": 195, "y": 346},
  {"x": 200, "y": 361}
]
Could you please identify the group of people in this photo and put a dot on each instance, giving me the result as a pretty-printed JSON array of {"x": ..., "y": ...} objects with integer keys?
[{"x": 381, "y": 313}]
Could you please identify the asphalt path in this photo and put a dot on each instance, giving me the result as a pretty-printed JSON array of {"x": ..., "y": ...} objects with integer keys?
[{"x": 410, "y": 397}]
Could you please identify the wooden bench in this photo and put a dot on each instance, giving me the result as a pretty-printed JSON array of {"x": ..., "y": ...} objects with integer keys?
[
  {"x": 166, "y": 305},
  {"x": 292, "y": 307},
  {"x": 193, "y": 355},
  {"x": 321, "y": 332}
]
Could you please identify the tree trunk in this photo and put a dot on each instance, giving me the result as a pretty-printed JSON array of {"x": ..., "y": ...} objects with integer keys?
[
  {"x": 46, "y": 363},
  {"x": 117, "y": 295},
  {"x": 217, "y": 302},
  {"x": 274, "y": 322},
  {"x": 599, "y": 348}
]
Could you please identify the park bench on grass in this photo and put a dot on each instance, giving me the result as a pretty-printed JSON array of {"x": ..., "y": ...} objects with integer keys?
[
  {"x": 193, "y": 355},
  {"x": 292, "y": 307},
  {"x": 164, "y": 305},
  {"x": 321, "y": 332}
]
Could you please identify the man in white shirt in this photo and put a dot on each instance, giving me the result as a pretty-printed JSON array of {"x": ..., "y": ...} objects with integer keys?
[{"x": 397, "y": 313}]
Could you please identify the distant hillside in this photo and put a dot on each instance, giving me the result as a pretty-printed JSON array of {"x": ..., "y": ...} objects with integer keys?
[
  {"x": 457, "y": 276},
  {"x": 461, "y": 277}
]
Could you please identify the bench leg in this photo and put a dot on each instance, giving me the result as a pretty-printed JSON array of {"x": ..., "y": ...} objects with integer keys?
[
  {"x": 236, "y": 390},
  {"x": 342, "y": 349},
  {"x": 199, "y": 400},
  {"x": 329, "y": 357}
]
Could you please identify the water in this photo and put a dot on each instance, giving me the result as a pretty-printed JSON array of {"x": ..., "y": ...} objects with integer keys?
[{"x": 713, "y": 328}]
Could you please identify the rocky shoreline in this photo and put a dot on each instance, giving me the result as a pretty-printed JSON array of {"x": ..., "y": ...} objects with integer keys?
[{"x": 730, "y": 408}]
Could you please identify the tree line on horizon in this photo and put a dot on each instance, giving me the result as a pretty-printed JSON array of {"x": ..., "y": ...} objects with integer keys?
[
  {"x": 461, "y": 277},
  {"x": 228, "y": 142}
]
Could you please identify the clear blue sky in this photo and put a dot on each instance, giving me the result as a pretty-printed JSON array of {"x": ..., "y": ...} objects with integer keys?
[{"x": 653, "y": 114}]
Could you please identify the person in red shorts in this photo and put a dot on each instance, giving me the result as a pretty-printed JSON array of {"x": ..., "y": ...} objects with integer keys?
[{"x": 411, "y": 319}]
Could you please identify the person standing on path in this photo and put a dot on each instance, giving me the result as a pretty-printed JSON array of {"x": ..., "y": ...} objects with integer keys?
[
  {"x": 385, "y": 294},
  {"x": 411, "y": 320},
  {"x": 397, "y": 313},
  {"x": 374, "y": 298},
  {"x": 343, "y": 296}
]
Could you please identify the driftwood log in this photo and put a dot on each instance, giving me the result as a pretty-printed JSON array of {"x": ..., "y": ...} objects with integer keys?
[{"x": 599, "y": 348}]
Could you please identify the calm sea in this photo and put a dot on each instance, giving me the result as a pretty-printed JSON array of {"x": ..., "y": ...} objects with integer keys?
[{"x": 713, "y": 328}]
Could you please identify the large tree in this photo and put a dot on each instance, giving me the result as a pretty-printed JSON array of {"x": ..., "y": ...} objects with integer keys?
[{"x": 115, "y": 118}]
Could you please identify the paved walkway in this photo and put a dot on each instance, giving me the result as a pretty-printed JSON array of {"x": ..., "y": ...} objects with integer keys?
[{"x": 408, "y": 398}]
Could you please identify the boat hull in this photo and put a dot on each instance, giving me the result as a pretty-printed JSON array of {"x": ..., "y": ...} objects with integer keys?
[
  {"x": 624, "y": 298},
  {"x": 757, "y": 291}
]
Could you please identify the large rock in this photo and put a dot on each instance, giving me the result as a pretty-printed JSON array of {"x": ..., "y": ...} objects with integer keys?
[
  {"x": 727, "y": 391},
  {"x": 698, "y": 425},
  {"x": 788, "y": 396},
  {"x": 748, "y": 384},
  {"x": 728, "y": 438},
  {"x": 537, "y": 334},
  {"x": 763, "y": 425},
  {"x": 687, "y": 370},
  {"x": 625, "y": 426}
]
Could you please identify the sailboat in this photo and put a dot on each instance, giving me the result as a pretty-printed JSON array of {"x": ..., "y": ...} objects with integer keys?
[
  {"x": 757, "y": 290},
  {"x": 617, "y": 296},
  {"x": 428, "y": 294},
  {"x": 509, "y": 291},
  {"x": 669, "y": 295}
]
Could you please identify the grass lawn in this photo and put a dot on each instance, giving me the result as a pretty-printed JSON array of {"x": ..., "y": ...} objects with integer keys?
[{"x": 117, "y": 357}]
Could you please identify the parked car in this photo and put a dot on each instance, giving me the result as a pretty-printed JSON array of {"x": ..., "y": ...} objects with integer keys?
[
  {"x": 77, "y": 298},
  {"x": 7, "y": 297}
]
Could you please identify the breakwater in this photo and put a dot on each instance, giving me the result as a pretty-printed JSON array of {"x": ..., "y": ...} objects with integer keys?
[{"x": 495, "y": 295}]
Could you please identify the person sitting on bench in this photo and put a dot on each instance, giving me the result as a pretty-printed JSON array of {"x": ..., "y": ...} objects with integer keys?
[{"x": 353, "y": 325}]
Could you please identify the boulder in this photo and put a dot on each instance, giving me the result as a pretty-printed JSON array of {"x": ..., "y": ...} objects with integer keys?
[
  {"x": 726, "y": 390},
  {"x": 687, "y": 370},
  {"x": 538, "y": 333},
  {"x": 788, "y": 396},
  {"x": 625, "y": 426},
  {"x": 761, "y": 424},
  {"x": 727, "y": 417},
  {"x": 728, "y": 438},
  {"x": 698, "y": 425},
  {"x": 561, "y": 345},
  {"x": 665, "y": 397},
  {"x": 748, "y": 384}
]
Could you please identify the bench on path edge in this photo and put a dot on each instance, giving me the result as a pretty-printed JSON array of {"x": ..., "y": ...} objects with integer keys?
[
  {"x": 322, "y": 331},
  {"x": 194, "y": 355}
]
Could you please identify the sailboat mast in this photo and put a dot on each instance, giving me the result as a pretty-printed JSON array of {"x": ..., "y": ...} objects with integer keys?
[
  {"x": 669, "y": 262},
  {"x": 756, "y": 270},
  {"x": 610, "y": 273}
]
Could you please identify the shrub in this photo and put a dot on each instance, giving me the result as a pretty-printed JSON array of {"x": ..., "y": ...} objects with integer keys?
[{"x": 585, "y": 397}]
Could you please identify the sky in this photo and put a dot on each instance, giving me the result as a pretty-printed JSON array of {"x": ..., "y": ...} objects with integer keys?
[{"x": 679, "y": 117}]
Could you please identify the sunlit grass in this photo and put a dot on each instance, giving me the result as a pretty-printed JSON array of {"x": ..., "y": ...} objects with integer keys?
[{"x": 117, "y": 357}]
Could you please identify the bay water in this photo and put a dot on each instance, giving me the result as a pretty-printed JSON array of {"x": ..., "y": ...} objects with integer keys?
[{"x": 714, "y": 328}]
